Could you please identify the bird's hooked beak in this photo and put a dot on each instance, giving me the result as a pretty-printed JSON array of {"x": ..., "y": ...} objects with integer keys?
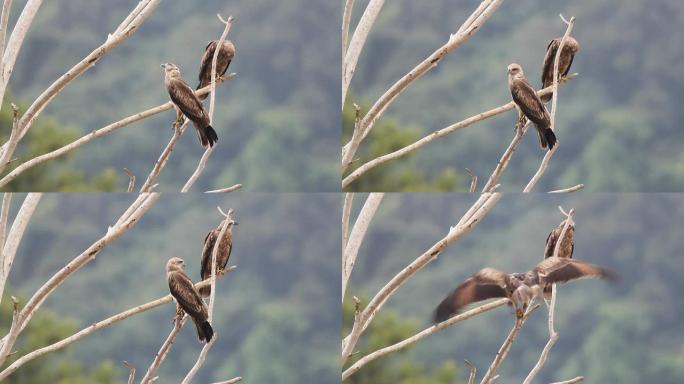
[
  {"x": 164, "y": 65},
  {"x": 235, "y": 223}
]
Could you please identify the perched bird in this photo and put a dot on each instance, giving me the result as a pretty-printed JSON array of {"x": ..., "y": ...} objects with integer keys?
[
  {"x": 225, "y": 247},
  {"x": 185, "y": 99},
  {"x": 520, "y": 288},
  {"x": 188, "y": 299},
  {"x": 567, "y": 247},
  {"x": 225, "y": 56},
  {"x": 570, "y": 48},
  {"x": 525, "y": 97}
]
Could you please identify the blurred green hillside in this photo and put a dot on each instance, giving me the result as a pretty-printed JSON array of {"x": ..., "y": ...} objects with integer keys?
[
  {"x": 278, "y": 119},
  {"x": 619, "y": 121},
  {"x": 274, "y": 312},
  {"x": 630, "y": 332}
]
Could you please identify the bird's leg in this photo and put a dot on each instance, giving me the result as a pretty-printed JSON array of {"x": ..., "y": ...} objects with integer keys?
[
  {"x": 179, "y": 314},
  {"x": 179, "y": 119}
]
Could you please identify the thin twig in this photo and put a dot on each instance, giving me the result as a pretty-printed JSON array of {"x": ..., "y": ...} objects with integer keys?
[
  {"x": 571, "y": 381},
  {"x": 226, "y": 190},
  {"x": 473, "y": 372},
  {"x": 501, "y": 355},
  {"x": 178, "y": 323},
  {"x": 97, "y": 326},
  {"x": 568, "y": 190},
  {"x": 358, "y": 172},
  {"x": 131, "y": 372},
  {"x": 554, "y": 100},
  {"x": 212, "y": 102},
  {"x": 346, "y": 213},
  {"x": 231, "y": 381},
  {"x": 473, "y": 181},
  {"x": 421, "y": 335},
  {"x": 131, "y": 180}
]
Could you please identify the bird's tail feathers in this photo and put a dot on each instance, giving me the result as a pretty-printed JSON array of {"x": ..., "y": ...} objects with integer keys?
[
  {"x": 204, "y": 331},
  {"x": 547, "y": 138},
  {"x": 207, "y": 136}
]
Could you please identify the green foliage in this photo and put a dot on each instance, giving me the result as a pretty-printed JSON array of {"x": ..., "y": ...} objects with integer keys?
[
  {"x": 46, "y": 328},
  {"x": 402, "y": 174},
  {"x": 399, "y": 367},
  {"x": 45, "y": 136}
]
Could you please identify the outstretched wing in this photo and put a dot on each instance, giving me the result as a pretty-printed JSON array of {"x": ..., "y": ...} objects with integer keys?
[
  {"x": 485, "y": 284},
  {"x": 184, "y": 97},
  {"x": 561, "y": 270},
  {"x": 186, "y": 295}
]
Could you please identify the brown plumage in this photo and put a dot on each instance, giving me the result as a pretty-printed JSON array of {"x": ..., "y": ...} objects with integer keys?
[
  {"x": 567, "y": 247},
  {"x": 188, "y": 299},
  {"x": 520, "y": 288},
  {"x": 225, "y": 56},
  {"x": 570, "y": 48},
  {"x": 185, "y": 99},
  {"x": 525, "y": 97},
  {"x": 224, "y": 250}
]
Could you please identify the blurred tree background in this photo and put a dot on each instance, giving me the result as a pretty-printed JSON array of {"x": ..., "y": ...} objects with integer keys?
[
  {"x": 277, "y": 120},
  {"x": 274, "y": 315},
  {"x": 629, "y": 332},
  {"x": 618, "y": 122}
]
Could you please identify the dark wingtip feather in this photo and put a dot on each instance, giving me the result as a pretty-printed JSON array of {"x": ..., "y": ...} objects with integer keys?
[{"x": 444, "y": 310}]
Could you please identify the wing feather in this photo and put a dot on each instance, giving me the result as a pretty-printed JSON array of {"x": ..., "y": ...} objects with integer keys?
[
  {"x": 561, "y": 270},
  {"x": 183, "y": 290},
  {"x": 485, "y": 284},
  {"x": 184, "y": 97},
  {"x": 549, "y": 57},
  {"x": 526, "y": 98}
]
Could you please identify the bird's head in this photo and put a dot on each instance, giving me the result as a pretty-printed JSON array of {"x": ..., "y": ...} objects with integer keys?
[
  {"x": 230, "y": 219},
  {"x": 171, "y": 69},
  {"x": 175, "y": 264},
  {"x": 515, "y": 69},
  {"x": 571, "y": 44}
]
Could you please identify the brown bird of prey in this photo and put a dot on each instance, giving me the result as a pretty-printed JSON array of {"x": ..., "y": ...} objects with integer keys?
[
  {"x": 520, "y": 288},
  {"x": 225, "y": 247},
  {"x": 185, "y": 99},
  {"x": 188, "y": 299},
  {"x": 525, "y": 97},
  {"x": 225, "y": 56},
  {"x": 570, "y": 48},
  {"x": 567, "y": 247}
]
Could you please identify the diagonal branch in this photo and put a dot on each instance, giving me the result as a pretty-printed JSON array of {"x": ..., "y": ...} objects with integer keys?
[
  {"x": 473, "y": 216},
  {"x": 95, "y": 327},
  {"x": 144, "y": 202},
  {"x": 358, "y": 172},
  {"x": 421, "y": 335},
  {"x": 178, "y": 323},
  {"x": 353, "y": 51},
  {"x": 4, "y": 21},
  {"x": 358, "y": 233},
  {"x": 16, "y": 233},
  {"x": 95, "y": 134},
  {"x": 484, "y": 13},
  {"x": 53, "y": 90}
]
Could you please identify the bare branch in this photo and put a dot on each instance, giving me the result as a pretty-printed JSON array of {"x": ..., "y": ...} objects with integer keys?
[
  {"x": 164, "y": 157},
  {"x": 505, "y": 158},
  {"x": 231, "y": 381},
  {"x": 421, "y": 335},
  {"x": 53, "y": 90},
  {"x": 4, "y": 216},
  {"x": 473, "y": 372},
  {"x": 346, "y": 213},
  {"x": 554, "y": 100},
  {"x": 212, "y": 102},
  {"x": 131, "y": 180},
  {"x": 131, "y": 372},
  {"x": 485, "y": 204},
  {"x": 349, "y": 150},
  {"x": 440, "y": 133},
  {"x": 501, "y": 355},
  {"x": 473, "y": 181},
  {"x": 16, "y": 233},
  {"x": 95, "y": 134},
  {"x": 568, "y": 190},
  {"x": 95, "y": 327},
  {"x": 571, "y": 381},
  {"x": 200, "y": 360},
  {"x": 226, "y": 190},
  {"x": 178, "y": 323},
  {"x": 113, "y": 233},
  {"x": 357, "y": 235},
  {"x": 16, "y": 40},
  {"x": 358, "y": 41},
  {"x": 346, "y": 20},
  {"x": 4, "y": 20}
]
